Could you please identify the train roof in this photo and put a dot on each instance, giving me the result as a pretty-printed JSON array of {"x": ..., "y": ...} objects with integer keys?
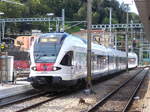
[
  {"x": 96, "y": 47},
  {"x": 62, "y": 35}
]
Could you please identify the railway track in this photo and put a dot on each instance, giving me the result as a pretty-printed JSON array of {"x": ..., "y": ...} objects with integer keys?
[
  {"x": 45, "y": 98},
  {"x": 20, "y": 97},
  {"x": 24, "y": 104},
  {"x": 48, "y": 98},
  {"x": 120, "y": 99},
  {"x": 39, "y": 103}
]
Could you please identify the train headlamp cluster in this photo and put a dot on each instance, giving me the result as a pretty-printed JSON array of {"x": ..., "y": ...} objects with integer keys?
[
  {"x": 56, "y": 68},
  {"x": 33, "y": 68}
]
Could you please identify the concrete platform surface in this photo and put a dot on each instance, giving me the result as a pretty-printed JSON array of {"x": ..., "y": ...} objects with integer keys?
[
  {"x": 142, "y": 98},
  {"x": 10, "y": 89},
  {"x": 146, "y": 99}
]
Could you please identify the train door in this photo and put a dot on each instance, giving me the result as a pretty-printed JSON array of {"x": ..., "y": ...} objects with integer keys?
[
  {"x": 79, "y": 65},
  {"x": 103, "y": 63}
]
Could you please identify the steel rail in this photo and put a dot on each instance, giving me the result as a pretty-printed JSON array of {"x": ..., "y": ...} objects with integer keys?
[
  {"x": 135, "y": 91},
  {"x": 55, "y": 96},
  {"x": 20, "y": 99},
  {"x": 102, "y": 101},
  {"x": 38, "y": 104}
]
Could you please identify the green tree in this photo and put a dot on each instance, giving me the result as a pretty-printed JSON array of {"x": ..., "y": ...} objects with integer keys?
[{"x": 74, "y": 10}]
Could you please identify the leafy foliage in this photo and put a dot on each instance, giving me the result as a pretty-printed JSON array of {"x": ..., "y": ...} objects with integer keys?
[{"x": 74, "y": 10}]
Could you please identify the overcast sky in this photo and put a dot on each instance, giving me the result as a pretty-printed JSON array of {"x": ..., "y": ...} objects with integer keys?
[{"x": 132, "y": 6}]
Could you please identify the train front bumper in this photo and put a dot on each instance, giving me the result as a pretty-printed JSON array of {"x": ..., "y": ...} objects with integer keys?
[{"x": 49, "y": 82}]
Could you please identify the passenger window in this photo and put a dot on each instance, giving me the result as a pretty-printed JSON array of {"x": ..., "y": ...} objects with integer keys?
[{"x": 67, "y": 59}]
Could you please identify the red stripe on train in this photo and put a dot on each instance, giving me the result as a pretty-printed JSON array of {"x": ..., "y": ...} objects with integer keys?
[{"x": 44, "y": 66}]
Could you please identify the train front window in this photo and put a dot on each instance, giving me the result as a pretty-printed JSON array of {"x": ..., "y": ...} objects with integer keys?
[
  {"x": 44, "y": 58},
  {"x": 46, "y": 50}
]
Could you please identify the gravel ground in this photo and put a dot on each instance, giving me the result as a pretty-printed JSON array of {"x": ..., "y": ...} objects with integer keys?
[
  {"x": 142, "y": 98},
  {"x": 77, "y": 102}
]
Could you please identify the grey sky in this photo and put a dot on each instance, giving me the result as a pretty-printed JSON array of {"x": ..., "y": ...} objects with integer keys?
[{"x": 132, "y": 6}]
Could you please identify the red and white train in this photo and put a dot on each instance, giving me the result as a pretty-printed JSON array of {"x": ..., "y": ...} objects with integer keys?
[{"x": 59, "y": 60}]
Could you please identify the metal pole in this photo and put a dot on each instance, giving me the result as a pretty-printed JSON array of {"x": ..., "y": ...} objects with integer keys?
[
  {"x": 63, "y": 20},
  {"x": 127, "y": 20},
  {"x": 49, "y": 26},
  {"x": 141, "y": 47},
  {"x": 132, "y": 37},
  {"x": 6, "y": 67},
  {"x": 110, "y": 18},
  {"x": 89, "y": 20},
  {"x": 57, "y": 25},
  {"x": 3, "y": 29},
  {"x": 116, "y": 40},
  {"x": 1, "y": 73},
  {"x": 140, "y": 58},
  {"x": 0, "y": 35},
  {"x": 140, "y": 54},
  {"x": 1, "y": 59}
]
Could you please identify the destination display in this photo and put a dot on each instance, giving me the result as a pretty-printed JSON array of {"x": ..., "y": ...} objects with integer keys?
[{"x": 43, "y": 40}]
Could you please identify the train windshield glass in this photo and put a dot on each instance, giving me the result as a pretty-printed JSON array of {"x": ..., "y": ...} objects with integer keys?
[{"x": 46, "y": 49}]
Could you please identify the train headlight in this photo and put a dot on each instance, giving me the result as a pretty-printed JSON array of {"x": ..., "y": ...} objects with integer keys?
[
  {"x": 33, "y": 68},
  {"x": 56, "y": 68}
]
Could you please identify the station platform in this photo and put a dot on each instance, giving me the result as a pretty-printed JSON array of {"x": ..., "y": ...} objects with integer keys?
[
  {"x": 10, "y": 89},
  {"x": 145, "y": 101}
]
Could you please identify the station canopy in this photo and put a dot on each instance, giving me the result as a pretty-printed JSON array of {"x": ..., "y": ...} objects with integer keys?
[{"x": 143, "y": 7}]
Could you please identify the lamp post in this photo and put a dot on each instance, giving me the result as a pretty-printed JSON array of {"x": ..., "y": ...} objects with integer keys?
[{"x": 50, "y": 15}]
